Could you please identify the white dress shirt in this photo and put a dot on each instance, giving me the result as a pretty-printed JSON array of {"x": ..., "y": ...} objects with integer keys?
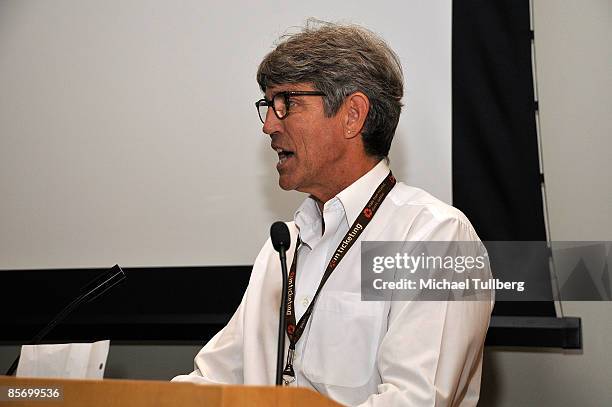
[{"x": 370, "y": 353}]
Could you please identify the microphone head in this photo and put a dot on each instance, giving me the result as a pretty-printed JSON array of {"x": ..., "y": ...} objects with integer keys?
[{"x": 279, "y": 233}]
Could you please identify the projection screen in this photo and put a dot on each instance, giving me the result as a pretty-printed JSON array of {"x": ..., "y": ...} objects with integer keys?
[{"x": 128, "y": 132}]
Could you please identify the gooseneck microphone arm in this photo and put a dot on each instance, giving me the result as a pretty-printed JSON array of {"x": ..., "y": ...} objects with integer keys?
[
  {"x": 93, "y": 290},
  {"x": 281, "y": 240}
]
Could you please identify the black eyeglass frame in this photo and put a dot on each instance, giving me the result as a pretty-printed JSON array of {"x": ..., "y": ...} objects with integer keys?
[{"x": 286, "y": 96}]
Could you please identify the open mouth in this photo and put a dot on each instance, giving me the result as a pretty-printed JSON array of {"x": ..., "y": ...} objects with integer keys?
[{"x": 283, "y": 155}]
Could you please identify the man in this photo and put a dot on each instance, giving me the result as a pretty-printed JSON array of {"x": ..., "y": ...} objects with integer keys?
[{"x": 332, "y": 103}]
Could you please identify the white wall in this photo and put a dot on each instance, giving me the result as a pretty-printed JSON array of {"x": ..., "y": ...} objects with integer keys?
[
  {"x": 574, "y": 61},
  {"x": 128, "y": 132}
]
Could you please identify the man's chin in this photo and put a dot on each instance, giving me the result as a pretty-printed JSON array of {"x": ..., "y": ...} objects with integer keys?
[{"x": 287, "y": 184}]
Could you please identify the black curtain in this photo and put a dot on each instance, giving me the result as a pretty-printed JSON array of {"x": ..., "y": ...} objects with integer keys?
[{"x": 496, "y": 173}]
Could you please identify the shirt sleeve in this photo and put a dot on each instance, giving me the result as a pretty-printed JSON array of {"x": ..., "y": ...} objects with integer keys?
[
  {"x": 431, "y": 354},
  {"x": 221, "y": 360}
]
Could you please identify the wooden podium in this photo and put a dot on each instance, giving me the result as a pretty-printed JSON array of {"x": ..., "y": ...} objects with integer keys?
[{"x": 139, "y": 393}]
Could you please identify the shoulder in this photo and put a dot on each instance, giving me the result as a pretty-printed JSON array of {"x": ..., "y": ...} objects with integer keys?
[{"x": 429, "y": 218}]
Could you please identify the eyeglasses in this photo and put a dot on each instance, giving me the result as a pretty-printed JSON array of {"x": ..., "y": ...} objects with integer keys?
[{"x": 280, "y": 103}]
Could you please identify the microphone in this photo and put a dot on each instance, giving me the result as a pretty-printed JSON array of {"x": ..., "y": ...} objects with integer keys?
[
  {"x": 281, "y": 240},
  {"x": 90, "y": 292}
]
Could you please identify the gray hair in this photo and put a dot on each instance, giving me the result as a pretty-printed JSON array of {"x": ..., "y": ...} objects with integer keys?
[{"x": 339, "y": 60}]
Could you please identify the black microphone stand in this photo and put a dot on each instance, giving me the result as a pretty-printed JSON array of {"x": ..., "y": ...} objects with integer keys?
[
  {"x": 282, "y": 319},
  {"x": 281, "y": 241}
]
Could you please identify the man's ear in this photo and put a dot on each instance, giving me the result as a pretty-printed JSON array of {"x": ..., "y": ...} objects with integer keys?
[{"x": 357, "y": 106}]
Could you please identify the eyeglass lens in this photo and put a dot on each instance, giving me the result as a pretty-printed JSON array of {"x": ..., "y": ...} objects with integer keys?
[{"x": 279, "y": 107}]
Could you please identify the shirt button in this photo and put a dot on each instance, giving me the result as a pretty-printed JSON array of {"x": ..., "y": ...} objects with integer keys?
[{"x": 305, "y": 301}]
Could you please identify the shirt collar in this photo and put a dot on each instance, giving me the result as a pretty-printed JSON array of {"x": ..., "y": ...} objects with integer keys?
[
  {"x": 353, "y": 198},
  {"x": 356, "y": 196}
]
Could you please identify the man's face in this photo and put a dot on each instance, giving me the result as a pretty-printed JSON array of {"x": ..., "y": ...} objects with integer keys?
[{"x": 308, "y": 143}]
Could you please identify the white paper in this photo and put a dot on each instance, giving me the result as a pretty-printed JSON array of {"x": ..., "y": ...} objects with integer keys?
[{"x": 69, "y": 360}]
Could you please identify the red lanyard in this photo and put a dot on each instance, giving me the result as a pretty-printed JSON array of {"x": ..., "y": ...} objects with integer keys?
[{"x": 294, "y": 330}]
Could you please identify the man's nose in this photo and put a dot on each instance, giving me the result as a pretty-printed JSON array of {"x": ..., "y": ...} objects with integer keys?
[{"x": 272, "y": 123}]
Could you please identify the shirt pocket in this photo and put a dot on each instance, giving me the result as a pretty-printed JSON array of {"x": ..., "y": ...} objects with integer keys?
[{"x": 343, "y": 340}]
